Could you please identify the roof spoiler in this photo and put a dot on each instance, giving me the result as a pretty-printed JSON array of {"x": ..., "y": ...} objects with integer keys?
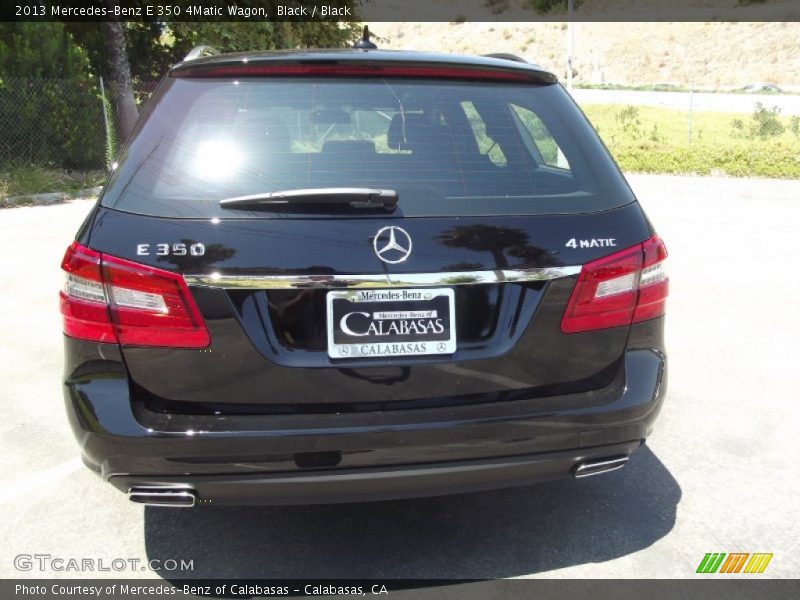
[{"x": 506, "y": 56}]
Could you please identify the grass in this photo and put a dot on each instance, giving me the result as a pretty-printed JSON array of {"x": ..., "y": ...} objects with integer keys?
[
  {"x": 673, "y": 87},
  {"x": 655, "y": 140},
  {"x": 21, "y": 180}
]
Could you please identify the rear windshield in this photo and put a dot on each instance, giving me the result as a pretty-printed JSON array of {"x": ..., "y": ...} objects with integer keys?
[{"x": 446, "y": 147}]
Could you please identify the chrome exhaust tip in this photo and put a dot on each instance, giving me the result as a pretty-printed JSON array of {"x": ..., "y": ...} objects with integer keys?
[
  {"x": 596, "y": 467},
  {"x": 162, "y": 496}
]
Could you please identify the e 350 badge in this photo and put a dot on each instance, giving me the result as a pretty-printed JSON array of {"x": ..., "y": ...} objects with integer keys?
[{"x": 179, "y": 249}]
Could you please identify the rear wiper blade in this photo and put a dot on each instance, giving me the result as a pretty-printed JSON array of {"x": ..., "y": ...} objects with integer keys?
[{"x": 356, "y": 197}]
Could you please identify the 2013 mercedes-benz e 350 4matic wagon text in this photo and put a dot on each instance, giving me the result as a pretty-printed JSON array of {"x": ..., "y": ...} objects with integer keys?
[{"x": 323, "y": 276}]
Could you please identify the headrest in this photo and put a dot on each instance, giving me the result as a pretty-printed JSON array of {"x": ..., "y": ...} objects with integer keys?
[
  {"x": 402, "y": 130},
  {"x": 348, "y": 147},
  {"x": 417, "y": 134}
]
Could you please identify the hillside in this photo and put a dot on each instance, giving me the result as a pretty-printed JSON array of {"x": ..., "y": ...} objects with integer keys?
[{"x": 710, "y": 55}]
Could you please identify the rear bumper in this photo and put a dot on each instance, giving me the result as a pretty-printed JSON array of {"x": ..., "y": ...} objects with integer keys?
[
  {"x": 385, "y": 483},
  {"x": 290, "y": 459}
]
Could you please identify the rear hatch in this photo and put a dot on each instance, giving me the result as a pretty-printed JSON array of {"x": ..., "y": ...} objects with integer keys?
[{"x": 267, "y": 193}]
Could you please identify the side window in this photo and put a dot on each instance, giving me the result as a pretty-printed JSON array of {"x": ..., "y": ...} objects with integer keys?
[
  {"x": 538, "y": 138},
  {"x": 486, "y": 145}
]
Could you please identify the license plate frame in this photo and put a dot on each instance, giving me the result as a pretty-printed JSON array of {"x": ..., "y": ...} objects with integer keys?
[{"x": 382, "y": 334}]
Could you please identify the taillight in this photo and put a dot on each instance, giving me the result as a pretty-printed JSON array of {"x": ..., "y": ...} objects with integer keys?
[
  {"x": 108, "y": 299},
  {"x": 653, "y": 282},
  {"x": 623, "y": 288},
  {"x": 83, "y": 299}
]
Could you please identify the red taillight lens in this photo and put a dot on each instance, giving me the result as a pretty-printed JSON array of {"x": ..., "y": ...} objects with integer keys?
[
  {"x": 605, "y": 294},
  {"x": 340, "y": 70},
  {"x": 108, "y": 299},
  {"x": 653, "y": 282},
  {"x": 83, "y": 299},
  {"x": 151, "y": 307},
  {"x": 623, "y": 288}
]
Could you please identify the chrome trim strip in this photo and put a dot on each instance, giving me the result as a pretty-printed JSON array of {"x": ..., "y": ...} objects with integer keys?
[{"x": 389, "y": 280}]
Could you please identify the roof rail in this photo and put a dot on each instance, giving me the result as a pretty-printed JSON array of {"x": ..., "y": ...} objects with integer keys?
[
  {"x": 506, "y": 56},
  {"x": 199, "y": 51}
]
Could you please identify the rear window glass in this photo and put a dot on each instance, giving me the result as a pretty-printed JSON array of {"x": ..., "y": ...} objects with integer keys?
[{"x": 447, "y": 148}]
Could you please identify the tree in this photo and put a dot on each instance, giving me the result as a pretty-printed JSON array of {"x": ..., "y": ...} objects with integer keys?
[
  {"x": 149, "y": 55},
  {"x": 241, "y": 36},
  {"x": 126, "y": 112},
  {"x": 122, "y": 53},
  {"x": 41, "y": 51},
  {"x": 49, "y": 109},
  {"x": 143, "y": 51},
  {"x": 56, "y": 121}
]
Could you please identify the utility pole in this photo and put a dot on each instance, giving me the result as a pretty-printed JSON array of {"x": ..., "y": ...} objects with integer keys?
[
  {"x": 691, "y": 108},
  {"x": 570, "y": 43}
]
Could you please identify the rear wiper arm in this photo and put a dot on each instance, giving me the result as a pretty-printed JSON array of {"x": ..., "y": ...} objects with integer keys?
[{"x": 356, "y": 197}]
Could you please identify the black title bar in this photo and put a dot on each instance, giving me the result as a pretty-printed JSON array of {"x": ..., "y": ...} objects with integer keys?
[{"x": 396, "y": 10}]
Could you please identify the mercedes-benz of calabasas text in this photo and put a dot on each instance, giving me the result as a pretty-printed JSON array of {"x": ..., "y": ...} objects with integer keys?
[{"x": 328, "y": 276}]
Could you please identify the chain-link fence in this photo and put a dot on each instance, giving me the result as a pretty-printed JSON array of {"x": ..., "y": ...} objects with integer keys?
[{"x": 59, "y": 123}]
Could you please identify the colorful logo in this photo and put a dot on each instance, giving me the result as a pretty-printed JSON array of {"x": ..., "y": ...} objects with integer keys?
[{"x": 719, "y": 562}]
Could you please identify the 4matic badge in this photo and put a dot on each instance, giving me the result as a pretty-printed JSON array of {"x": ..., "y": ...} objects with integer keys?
[{"x": 592, "y": 243}]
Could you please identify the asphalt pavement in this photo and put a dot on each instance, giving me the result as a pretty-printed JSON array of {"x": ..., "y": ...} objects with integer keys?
[{"x": 720, "y": 473}]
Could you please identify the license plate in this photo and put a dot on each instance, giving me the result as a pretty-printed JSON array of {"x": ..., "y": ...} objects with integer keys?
[{"x": 391, "y": 322}]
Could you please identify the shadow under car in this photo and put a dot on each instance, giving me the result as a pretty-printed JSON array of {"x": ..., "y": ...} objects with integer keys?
[{"x": 504, "y": 533}]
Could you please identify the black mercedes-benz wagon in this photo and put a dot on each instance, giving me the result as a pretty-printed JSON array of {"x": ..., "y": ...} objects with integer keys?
[{"x": 324, "y": 276}]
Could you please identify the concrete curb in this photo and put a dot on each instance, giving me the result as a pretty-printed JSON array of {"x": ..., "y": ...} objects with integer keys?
[{"x": 50, "y": 198}]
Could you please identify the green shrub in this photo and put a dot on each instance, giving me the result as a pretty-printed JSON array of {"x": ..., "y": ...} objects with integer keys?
[
  {"x": 737, "y": 128},
  {"x": 654, "y": 137},
  {"x": 628, "y": 118},
  {"x": 545, "y": 6},
  {"x": 496, "y": 7},
  {"x": 765, "y": 122}
]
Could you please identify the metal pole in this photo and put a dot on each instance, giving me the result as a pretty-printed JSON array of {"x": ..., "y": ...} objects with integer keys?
[
  {"x": 691, "y": 106},
  {"x": 570, "y": 44}
]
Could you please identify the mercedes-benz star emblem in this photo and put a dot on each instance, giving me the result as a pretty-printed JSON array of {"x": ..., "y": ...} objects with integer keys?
[{"x": 392, "y": 244}]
